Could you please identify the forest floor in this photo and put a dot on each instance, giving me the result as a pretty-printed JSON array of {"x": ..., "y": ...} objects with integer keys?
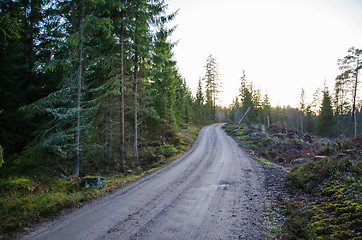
[
  {"x": 313, "y": 184},
  {"x": 30, "y": 199}
]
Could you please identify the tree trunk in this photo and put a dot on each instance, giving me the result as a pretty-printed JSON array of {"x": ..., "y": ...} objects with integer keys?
[
  {"x": 164, "y": 114},
  {"x": 355, "y": 92},
  {"x": 242, "y": 119},
  {"x": 122, "y": 153},
  {"x": 79, "y": 90},
  {"x": 135, "y": 122},
  {"x": 214, "y": 107},
  {"x": 109, "y": 138},
  {"x": 200, "y": 110},
  {"x": 355, "y": 125}
]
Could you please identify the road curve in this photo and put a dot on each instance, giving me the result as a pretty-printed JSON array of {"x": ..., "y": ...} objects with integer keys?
[{"x": 213, "y": 192}]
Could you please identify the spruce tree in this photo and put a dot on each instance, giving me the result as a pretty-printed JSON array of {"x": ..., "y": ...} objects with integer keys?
[
  {"x": 326, "y": 123},
  {"x": 200, "y": 99},
  {"x": 144, "y": 13},
  {"x": 68, "y": 109},
  {"x": 212, "y": 81},
  {"x": 164, "y": 76},
  {"x": 246, "y": 95},
  {"x": 20, "y": 82},
  {"x": 266, "y": 109}
]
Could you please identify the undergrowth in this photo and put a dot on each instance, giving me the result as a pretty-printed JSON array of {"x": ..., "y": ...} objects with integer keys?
[
  {"x": 331, "y": 206},
  {"x": 25, "y": 201}
]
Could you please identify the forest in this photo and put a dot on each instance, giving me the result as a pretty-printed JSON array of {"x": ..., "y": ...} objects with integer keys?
[{"x": 86, "y": 86}]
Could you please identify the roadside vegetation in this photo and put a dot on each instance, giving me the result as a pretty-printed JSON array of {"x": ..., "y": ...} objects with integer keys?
[
  {"x": 29, "y": 199},
  {"x": 322, "y": 199}
]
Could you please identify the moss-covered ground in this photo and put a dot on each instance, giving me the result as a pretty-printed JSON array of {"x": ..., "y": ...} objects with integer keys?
[
  {"x": 329, "y": 204},
  {"x": 323, "y": 199}
]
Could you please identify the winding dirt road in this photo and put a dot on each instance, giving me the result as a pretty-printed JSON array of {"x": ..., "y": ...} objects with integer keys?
[{"x": 213, "y": 192}]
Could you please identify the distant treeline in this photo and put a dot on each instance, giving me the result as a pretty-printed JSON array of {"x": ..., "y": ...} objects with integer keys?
[{"x": 331, "y": 114}]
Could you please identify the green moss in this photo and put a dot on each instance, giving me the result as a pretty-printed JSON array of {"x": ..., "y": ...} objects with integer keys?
[
  {"x": 336, "y": 212},
  {"x": 264, "y": 161},
  {"x": 230, "y": 127}
]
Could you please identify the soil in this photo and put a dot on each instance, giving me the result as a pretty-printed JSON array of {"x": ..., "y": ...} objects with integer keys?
[{"x": 276, "y": 192}]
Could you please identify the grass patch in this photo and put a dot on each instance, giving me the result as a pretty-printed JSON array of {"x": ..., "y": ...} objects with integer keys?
[{"x": 25, "y": 201}]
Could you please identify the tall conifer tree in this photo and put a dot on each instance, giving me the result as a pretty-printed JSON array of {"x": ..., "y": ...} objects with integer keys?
[
  {"x": 212, "y": 80},
  {"x": 326, "y": 124}
]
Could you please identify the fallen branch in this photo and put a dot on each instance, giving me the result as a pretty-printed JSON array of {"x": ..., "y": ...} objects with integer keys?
[{"x": 241, "y": 120}]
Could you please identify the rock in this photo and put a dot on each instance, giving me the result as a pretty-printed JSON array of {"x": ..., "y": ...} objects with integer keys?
[
  {"x": 319, "y": 157},
  {"x": 263, "y": 128},
  {"x": 94, "y": 182}
]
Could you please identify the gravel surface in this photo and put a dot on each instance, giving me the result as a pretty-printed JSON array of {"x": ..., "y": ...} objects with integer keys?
[{"x": 215, "y": 191}]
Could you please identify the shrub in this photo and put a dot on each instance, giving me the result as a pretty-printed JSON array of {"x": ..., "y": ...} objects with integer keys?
[{"x": 166, "y": 150}]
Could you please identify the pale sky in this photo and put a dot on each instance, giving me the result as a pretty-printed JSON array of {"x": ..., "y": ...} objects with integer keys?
[{"x": 283, "y": 45}]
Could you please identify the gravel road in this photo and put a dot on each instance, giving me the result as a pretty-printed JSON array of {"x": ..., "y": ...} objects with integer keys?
[{"x": 213, "y": 192}]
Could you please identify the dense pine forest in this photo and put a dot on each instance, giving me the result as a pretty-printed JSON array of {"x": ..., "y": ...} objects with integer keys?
[{"x": 86, "y": 86}]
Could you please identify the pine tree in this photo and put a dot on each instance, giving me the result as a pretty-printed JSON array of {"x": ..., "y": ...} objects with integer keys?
[
  {"x": 121, "y": 90},
  {"x": 350, "y": 66},
  {"x": 341, "y": 101}
]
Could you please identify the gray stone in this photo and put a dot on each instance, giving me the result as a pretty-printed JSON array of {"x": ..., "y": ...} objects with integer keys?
[{"x": 94, "y": 182}]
